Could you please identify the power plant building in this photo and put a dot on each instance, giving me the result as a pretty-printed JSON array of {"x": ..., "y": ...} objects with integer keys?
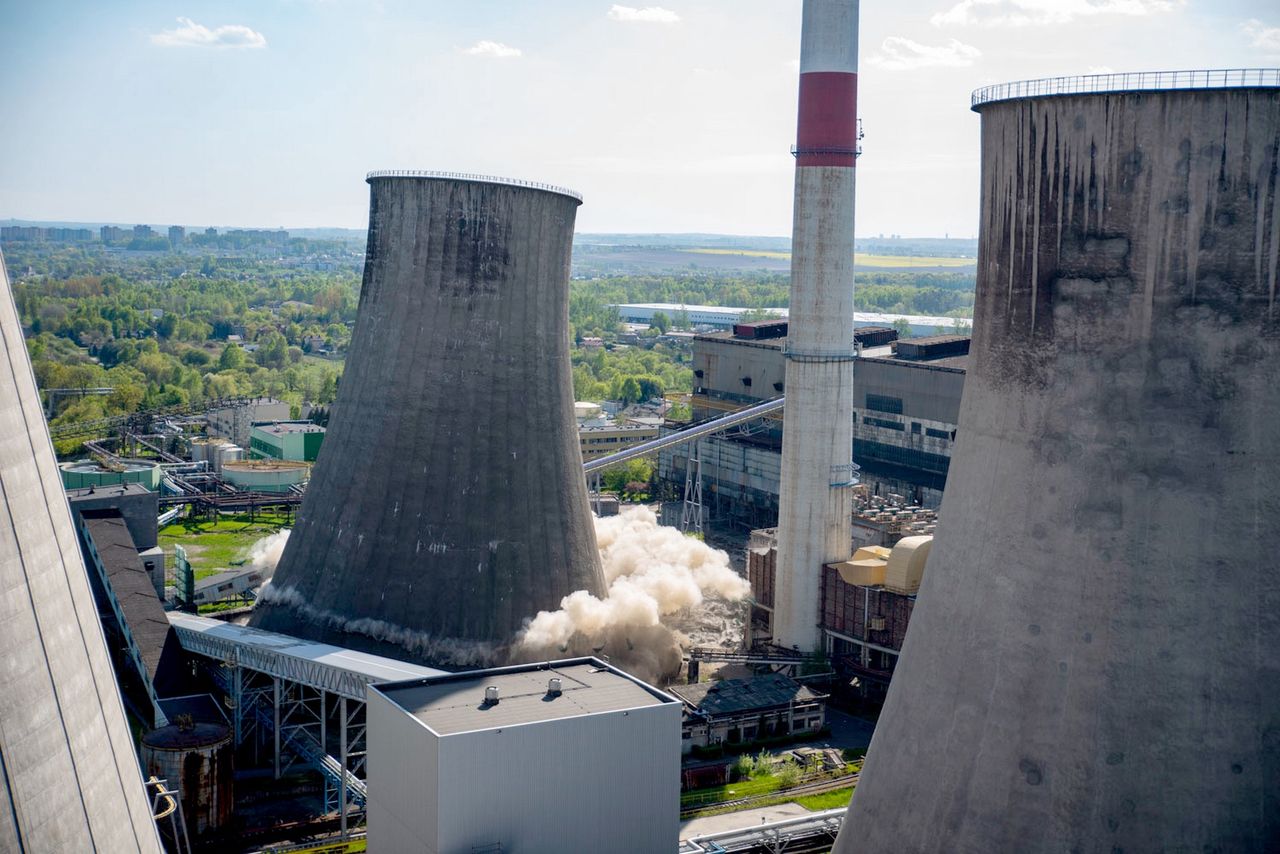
[
  {"x": 1092, "y": 663},
  {"x": 447, "y": 504},
  {"x": 71, "y": 779},
  {"x": 904, "y": 421},
  {"x": 571, "y": 755},
  {"x": 286, "y": 440}
]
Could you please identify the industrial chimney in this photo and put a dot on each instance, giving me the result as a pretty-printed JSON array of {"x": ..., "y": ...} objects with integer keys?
[
  {"x": 1093, "y": 661},
  {"x": 814, "y": 501},
  {"x": 71, "y": 779},
  {"x": 448, "y": 503}
]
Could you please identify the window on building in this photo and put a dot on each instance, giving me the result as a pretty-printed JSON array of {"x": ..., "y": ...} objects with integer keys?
[
  {"x": 884, "y": 403},
  {"x": 915, "y": 427},
  {"x": 883, "y": 422},
  {"x": 937, "y": 434}
]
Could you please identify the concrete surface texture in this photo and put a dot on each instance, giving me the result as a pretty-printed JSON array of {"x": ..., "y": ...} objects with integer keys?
[
  {"x": 813, "y": 515},
  {"x": 741, "y": 819},
  {"x": 1094, "y": 662},
  {"x": 69, "y": 775},
  {"x": 447, "y": 503}
]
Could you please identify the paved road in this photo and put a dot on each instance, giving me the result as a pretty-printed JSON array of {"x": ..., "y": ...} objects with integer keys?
[
  {"x": 743, "y": 818},
  {"x": 846, "y": 731}
]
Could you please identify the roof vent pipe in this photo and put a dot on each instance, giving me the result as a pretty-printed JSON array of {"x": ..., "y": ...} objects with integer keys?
[
  {"x": 491, "y": 695},
  {"x": 553, "y": 686}
]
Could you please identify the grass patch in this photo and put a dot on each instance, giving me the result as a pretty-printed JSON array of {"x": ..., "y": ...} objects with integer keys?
[
  {"x": 761, "y": 785},
  {"x": 825, "y": 801},
  {"x": 861, "y": 259},
  {"x": 222, "y": 544}
]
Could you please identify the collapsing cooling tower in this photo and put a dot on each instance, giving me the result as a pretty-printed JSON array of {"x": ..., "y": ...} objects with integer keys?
[
  {"x": 1094, "y": 662},
  {"x": 69, "y": 776},
  {"x": 448, "y": 502}
]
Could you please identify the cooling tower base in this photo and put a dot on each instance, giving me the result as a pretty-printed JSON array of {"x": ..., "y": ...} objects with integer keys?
[{"x": 375, "y": 637}]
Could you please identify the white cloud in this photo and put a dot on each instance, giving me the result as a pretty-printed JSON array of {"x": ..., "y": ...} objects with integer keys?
[
  {"x": 1022, "y": 13},
  {"x": 1262, "y": 37},
  {"x": 900, "y": 54},
  {"x": 191, "y": 34},
  {"x": 484, "y": 47},
  {"x": 647, "y": 15}
]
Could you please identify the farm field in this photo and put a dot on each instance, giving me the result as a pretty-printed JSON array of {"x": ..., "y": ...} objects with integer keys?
[{"x": 861, "y": 259}]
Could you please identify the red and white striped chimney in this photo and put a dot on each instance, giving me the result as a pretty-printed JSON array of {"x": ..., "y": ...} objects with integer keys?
[{"x": 817, "y": 444}]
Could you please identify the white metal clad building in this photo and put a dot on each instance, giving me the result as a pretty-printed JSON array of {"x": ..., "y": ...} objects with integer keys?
[{"x": 510, "y": 760}]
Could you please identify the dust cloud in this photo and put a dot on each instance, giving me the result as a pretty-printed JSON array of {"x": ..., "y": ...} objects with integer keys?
[
  {"x": 665, "y": 592},
  {"x": 265, "y": 553},
  {"x": 663, "y": 587}
]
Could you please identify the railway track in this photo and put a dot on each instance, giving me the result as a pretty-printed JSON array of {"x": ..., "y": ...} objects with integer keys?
[{"x": 817, "y": 787}]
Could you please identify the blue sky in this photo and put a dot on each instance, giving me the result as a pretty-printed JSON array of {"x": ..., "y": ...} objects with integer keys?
[{"x": 669, "y": 117}]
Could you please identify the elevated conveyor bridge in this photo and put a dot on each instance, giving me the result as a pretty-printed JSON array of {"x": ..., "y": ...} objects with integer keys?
[{"x": 305, "y": 699}]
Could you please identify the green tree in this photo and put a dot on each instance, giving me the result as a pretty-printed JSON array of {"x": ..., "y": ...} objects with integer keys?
[
  {"x": 755, "y": 315},
  {"x": 273, "y": 350},
  {"x": 627, "y": 390},
  {"x": 903, "y": 327},
  {"x": 660, "y": 322},
  {"x": 616, "y": 478},
  {"x": 232, "y": 358}
]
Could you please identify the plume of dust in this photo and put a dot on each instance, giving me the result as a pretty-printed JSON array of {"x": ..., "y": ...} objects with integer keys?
[
  {"x": 657, "y": 579},
  {"x": 265, "y": 553}
]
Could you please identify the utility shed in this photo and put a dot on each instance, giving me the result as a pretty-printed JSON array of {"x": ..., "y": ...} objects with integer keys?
[
  {"x": 571, "y": 755},
  {"x": 739, "y": 711}
]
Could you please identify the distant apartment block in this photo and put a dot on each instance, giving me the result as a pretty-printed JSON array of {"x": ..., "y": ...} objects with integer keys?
[
  {"x": 177, "y": 236},
  {"x": 15, "y": 233},
  {"x": 600, "y": 441}
]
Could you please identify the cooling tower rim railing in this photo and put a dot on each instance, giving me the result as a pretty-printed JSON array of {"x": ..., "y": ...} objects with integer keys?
[
  {"x": 471, "y": 176},
  {"x": 1131, "y": 81}
]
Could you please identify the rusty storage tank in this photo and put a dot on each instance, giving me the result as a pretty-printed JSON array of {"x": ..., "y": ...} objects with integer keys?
[
  {"x": 197, "y": 759},
  {"x": 447, "y": 504},
  {"x": 1094, "y": 660}
]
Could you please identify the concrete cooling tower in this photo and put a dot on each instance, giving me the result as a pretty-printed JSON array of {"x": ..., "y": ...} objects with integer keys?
[
  {"x": 1094, "y": 660},
  {"x": 69, "y": 776},
  {"x": 448, "y": 503}
]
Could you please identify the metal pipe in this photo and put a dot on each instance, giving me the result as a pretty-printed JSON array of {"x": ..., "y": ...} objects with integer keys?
[{"x": 680, "y": 437}]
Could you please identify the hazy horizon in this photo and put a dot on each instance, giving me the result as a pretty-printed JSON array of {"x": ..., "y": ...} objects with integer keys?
[{"x": 673, "y": 118}]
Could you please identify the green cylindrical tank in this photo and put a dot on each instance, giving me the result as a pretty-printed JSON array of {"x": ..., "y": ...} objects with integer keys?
[
  {"x": 81, "y": 474},
  {"x": 265, "y": 475}
]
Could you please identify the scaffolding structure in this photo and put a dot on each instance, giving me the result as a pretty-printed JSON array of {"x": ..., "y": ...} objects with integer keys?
[{"x": 298, "y": 698}]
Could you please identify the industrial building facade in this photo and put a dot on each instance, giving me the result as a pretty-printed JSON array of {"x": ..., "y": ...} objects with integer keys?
[
  {"x": 601, "y": 440},
  {"x": 740, "y": 711},
  {"x": 904, "y": 421},
  {"x": 286, "y": 440},
  {"x": 865, "y": 604},
  {"x": 572, "y": 755}
]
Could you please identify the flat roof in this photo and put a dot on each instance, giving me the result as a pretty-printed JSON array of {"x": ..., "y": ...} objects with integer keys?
[
  {"x": 860, "y": 318},
  {"x": 454, "y": 704},
  {"x": 369, "y": 668},
  {"x": 281, "y": 427}
]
